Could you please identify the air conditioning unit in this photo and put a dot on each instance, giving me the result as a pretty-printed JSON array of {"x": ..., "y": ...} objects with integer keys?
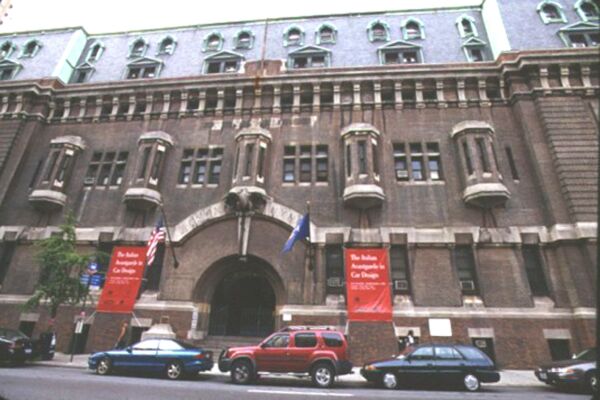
[
  {"x": 402, "y": 174},
  {"x": 335, "y": 282},
  {"x": 89, "y": 181},
  {"x": 467, "y": 285},
  {"x": 400, "y": 284}
]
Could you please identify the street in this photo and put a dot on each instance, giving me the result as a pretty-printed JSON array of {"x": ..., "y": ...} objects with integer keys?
[{"x": 37, "y": 382}]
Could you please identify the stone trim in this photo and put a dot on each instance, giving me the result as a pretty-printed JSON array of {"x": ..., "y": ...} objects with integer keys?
[
  {"x": 70, "y": 140},
  {"x": 557, "y": 334},
  {"x": 29, "y": 317},
  {"x": 402, "y": 331},
  {"x": 481, "y": 332}
]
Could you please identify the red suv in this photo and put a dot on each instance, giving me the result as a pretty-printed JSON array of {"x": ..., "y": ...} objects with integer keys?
[{"x": 322, "y": 353}]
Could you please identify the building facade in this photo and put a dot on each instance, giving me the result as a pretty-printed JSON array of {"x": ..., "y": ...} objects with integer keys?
[{"x": 463, "y": 140}]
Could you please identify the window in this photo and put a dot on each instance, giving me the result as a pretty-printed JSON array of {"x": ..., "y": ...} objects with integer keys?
[
  {"x": 484, "y": 160},
  {"x": 400, "y": 54},
  {"x": 94, "y": 52},
  {"x": 6, "y": 50},
  {"x": 213, "y": 42},
  {"x": 167, "y": 46},
  {"x": 7, "y": 250},
  {"x": 475, "y": 54},
  {"x": 447, "y": 353},
  {"x": 551, "y": 12},
  {"x": 306, "y": 157},
  {"x": 583, "y": 39},
  {"x": 138, "y": 48},
  {"x": 362, "y": 157},
  {"x": 534, "y": 270},
  {"x": 399, "y": 267},
  {"x": 305, "y": 340},
  {"x": 378, "y": 31},
  {"x": 106, "y": 169},
  {"x": 31, "y": 48},
  {"x": 466, "y": 26},
  {"x": 224, "y": 62},
  {"x": 278, "y": 341},
  {"x": 6, "y": 73},
  {"x": 143, "y": 70},
  {"x": 334, "y": 269},
  {"x": 417, "y": 165},
  {"x": 326, "y": 34},
  {"x": 413, "y": 29},
  {"x": 587, "y": 10},
  {"x": 260, "y": 171},
  {"x": 467, "y": 157},
  {"x": 169, "y": 345},
  {"x": 81, "y": 75},
  {"x": 422, "y": 353},
  {"x": 200, "y": 166},
  {"x": 316, "y": 59},
  {"x": 348, "y": 160},
  {"x": 244, "y": 40},
  {"x": 465, "y": 267},
  {"x": 143, "y": 165},
  {"x": 293, "y": 36},
  {"x": 332, "y": 339},
  {"x": 249, "y": 154},
  {"x": 146, "y": 345},
  {"x": 511, "y": 162}
]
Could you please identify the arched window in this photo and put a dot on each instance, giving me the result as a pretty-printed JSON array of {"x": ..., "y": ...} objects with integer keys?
[
  {"x": 466, "y": 26},
  {"x": 413, "y": 29},
  {"x": 167, "y": 46},
  {"x": 587, "y": 10},
  {"x": 95, "y": 52},
  {"x": 213, "y": 42},
  {"x": 326, "y": 34},
  {"x": 293, "y": 36},
  {"x": 551, "y": 12},
  {"x": 244, "y": 40},
  {"x": 138, "y": 48},
  {"x": 31, "y": 48},
  {"x": 378, "y": 31},
  {"x": 6, "y": 50}
]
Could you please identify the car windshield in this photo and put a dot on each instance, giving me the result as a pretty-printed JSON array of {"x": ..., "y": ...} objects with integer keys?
[
  {"x": 587, "y": 355},
  {"x": 12, "y": 334}
]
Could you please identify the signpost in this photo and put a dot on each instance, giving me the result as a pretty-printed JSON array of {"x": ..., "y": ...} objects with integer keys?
[{"x": 368, "y": 285}]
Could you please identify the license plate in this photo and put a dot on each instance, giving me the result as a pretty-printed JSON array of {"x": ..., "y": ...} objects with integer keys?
[
  {"x": 543, "y": 376},
  {"x": 27, "y": 351}
]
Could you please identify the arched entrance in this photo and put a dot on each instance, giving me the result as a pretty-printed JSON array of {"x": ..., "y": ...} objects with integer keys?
[{"x": 243, "y": 295}]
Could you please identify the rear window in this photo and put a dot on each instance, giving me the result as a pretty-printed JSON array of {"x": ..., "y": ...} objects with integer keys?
[
  {"x": 472, "y": 353},
  {"x": 305, "y": 340},
  {"x": 12, "y": 334},
  {"x": 332, "y": 339}
]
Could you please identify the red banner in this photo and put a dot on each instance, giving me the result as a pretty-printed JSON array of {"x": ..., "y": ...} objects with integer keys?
[
  {"x": 123, "y": 280},
  {"x": 368, "y": 285}
]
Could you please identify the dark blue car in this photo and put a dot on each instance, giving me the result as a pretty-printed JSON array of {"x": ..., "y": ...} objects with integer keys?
[
  {"x": 434, "y": 364},
  {"x": 172, "y": 358}
]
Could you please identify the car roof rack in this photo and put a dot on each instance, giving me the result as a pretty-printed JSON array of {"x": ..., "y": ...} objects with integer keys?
[{"x": 292, "y": 328}]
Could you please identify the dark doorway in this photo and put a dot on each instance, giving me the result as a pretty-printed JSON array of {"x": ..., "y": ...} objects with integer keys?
[
  {"x": 486, "y": 345},
  {"x": 243, "y": 305},
  {"x": 559, "y": 349},
  {"x": 79, "y": 340}
]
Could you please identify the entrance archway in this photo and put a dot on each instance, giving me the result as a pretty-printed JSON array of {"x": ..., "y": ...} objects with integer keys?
[{"x": 243, "y": 296}]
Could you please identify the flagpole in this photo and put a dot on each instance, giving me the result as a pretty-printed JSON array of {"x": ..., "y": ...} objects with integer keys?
[
  {"x": 164, "y": 216},
  {"x": 310, "y": 246}
]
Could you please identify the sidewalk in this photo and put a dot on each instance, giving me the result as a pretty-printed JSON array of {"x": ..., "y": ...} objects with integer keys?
[{"x": 509, "y": 377}]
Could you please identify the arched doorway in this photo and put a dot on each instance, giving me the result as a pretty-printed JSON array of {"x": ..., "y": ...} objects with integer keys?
[{"x": 243, "y": 302}]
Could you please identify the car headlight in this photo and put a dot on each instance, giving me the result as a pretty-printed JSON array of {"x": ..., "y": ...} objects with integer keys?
[
  {"x": 563, "y": 371},
  {"x": 370, "y": 368}
]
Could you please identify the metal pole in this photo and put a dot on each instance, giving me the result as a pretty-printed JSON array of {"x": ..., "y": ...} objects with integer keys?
[
  {"x": 175, "y": 261},
  {"x": 75, "y": 334}
]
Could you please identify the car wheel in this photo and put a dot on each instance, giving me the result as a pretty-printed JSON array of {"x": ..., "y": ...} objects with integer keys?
[
  {"x": 242, "y": 372},
  {"x": 104, "y": 366},
  {"x": 174, "y": 370},
  {"x": 389, "y": 380},
  {"x": 591, "y": 383},
  {"x": 471, "y": 383},
  {"x": 323, "y": 375}
]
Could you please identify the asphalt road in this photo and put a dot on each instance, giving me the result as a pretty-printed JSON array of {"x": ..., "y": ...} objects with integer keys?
[{"x": 54, "y": 383}]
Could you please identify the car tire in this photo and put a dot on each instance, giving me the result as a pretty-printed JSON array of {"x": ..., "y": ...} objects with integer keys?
[
  {"x": 389, "y": 380},
  {"x": 104, "y": 366},
  {"x": 591, "y": 383},
  {"x": 323, "y": 375},
  {"x": 174, "y": 370},
  {"x": 242, "y": 372},
  {"x": 471, "y": 383}
]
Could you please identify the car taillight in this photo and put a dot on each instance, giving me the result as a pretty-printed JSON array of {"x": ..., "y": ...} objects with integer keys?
[{"x": 205, "y": 355}]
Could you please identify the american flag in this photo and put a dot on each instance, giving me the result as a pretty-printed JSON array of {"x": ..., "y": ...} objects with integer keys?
[{"x": 157, "y": 236}]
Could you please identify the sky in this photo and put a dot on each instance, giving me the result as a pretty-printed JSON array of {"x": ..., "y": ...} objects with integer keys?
[{"x": 127, "y": 15}]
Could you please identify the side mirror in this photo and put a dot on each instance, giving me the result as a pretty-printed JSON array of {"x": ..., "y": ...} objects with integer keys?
[
  {"x": 574, "y": 356},
  {"x": 128, "y": 349}
]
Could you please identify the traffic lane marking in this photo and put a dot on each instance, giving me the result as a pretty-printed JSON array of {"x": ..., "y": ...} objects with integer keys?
[{"x": 300, "y": 393}]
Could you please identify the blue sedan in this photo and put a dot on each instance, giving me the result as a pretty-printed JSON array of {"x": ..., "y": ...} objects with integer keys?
[{"x": 172, "y": 358}]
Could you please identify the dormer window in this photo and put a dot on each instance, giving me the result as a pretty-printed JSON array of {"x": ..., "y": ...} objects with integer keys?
[
  {"x": 378, "y": 31},
  {"x": 587, "y": 10},
  {"x": 294, "y": 36},
  {"x": 223, "y": 62},
  {"x": 326, "y": 34},
  {"x": 6, "y": 73},
  {"x": 474, "y": 49},
  {"x": 138, "y": 48},
  {"x": 413, "y": 29},
  {"x": 95, "y": 52},
  {"x": 309, "y": 57},
  {"x": 244, "y": 40},
  {"x": 213, "y": 42},
  {"x": 31, "y": 49},
  {"x": 167, "y": 46},
  {"x": 551, "y": 12},
  {"x": 466, "y": 26},
  {"x": 143, "y": 68},
  {"x": 6, "y": 50},
  {"x": 400, "y": 52},
  {"x": 581, "y": 34},
  {"x": 82, "y": 73}
]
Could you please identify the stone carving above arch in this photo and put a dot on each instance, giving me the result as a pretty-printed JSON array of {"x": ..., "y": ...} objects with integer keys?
[{"x": 204, "y": 216}]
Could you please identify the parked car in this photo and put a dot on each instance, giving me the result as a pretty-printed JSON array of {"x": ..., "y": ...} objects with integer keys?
[
  {"x": 434, "y": 364},
  {"x": 172, "y": 358},
  {"x": 318, "y": 352},
  {"x": 15, "y": 347},
  {"x": 580, "y": 371}
]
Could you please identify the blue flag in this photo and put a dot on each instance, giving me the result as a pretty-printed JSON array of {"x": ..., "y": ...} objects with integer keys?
[{"x": 301, "y": 231}]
